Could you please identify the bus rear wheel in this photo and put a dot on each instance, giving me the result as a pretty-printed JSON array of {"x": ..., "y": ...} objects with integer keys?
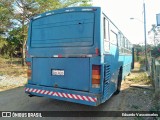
[{"x": 119, "y": 82}]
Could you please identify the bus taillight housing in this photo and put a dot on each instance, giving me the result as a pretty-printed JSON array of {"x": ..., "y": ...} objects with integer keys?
[
  {"x": 96, "y": 76},
  {"x": 29, "y": 70}
]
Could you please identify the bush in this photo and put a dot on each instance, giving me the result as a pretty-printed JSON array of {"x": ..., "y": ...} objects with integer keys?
[{"x": 141, "y": 59}]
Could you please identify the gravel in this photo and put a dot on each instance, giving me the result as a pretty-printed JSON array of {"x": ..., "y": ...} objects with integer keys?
[{"x": 8, "y": 82}]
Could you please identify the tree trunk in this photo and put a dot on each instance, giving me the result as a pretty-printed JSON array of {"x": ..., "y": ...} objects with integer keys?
[
  {"x": 23, "y": 52},
  {"x": 24, "y": 42}
]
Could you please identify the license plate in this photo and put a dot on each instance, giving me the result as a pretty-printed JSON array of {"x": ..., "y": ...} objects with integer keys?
[{"x": 58, "y": 72}]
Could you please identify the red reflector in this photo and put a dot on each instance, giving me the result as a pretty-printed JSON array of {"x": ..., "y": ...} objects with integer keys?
[
  {"x": 97, "y": 51},
  {"x": 28, "y": 63},
  {"x": 59, "y": 56},
  {"x": 29, "y": 72}
]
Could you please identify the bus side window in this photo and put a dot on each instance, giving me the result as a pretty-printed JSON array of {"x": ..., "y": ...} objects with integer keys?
[
  {"x": 126, "y": 43},
  {"x": 113, "y": 37},
  {"x": 104, "y": 28},
  {"x": 120, "y": 37},
  {"x": 123, "y": 44},
  {"x": 106, "y": 35},
  {"x": 129, "y": 48}
]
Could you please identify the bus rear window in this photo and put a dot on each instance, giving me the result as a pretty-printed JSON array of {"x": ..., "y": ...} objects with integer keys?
[{"x": 63, "y": 30}]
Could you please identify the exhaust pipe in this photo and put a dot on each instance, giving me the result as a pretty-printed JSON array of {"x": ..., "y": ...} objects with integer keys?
[{"x": 30, "y": 95}]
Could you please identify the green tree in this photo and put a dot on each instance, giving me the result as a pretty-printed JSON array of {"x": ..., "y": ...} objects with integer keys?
[
  {"x": 24, "y": 9},
  {"x": 155, "y": 51},
  {"x": 16, "y": 40},
  {"x": 3, "y": 44},
  {"x": 20, "y": 11},
  {"x": 28, "y": 8},
  {"x": 139, "y": 51},
  {"x": 6, "y": 15},
  {"x": 156, "y": 34},
  {"x": 46, "y": 5},
  {"x": 11, "y": 45},
  {"x": 86, "y": 3}
]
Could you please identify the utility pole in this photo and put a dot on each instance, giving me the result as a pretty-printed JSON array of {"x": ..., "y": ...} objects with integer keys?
[{"x": 145, "y": 38}]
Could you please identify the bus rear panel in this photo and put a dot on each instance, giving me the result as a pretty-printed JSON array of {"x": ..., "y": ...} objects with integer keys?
[{"x": 66, "y": 59}]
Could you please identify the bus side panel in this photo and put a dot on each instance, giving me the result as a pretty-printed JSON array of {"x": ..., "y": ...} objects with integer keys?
[{"x": 126, "y": 66}]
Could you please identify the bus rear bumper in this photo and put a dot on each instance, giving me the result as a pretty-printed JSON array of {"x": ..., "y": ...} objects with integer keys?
[{"x": 63, "y": 94}]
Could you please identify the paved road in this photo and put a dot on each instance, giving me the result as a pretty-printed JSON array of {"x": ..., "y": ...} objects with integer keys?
[
  {"x": 129, "y": 99},
  {"x": 17, "y": 100}
]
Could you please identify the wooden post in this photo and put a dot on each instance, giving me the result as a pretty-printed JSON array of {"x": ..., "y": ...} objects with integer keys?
[
  {"x": 153, "y": 71},
  {"x": 157, "y": 79}
]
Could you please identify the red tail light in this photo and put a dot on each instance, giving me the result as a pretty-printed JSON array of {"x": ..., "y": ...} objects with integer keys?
[
  {"x": 28, "y": 63},
  {"x": 97, "y": 51},
  {"x": 59, "y": 56},
  {"x": 29, "y": 73},
  {"x": 29, "y": 70},
  {"x": 96, "y": 76}
]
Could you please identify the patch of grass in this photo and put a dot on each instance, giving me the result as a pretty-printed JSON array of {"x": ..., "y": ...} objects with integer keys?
[
  {"x": 141, "y": 77},
  {"x": 12, "y": 67}
]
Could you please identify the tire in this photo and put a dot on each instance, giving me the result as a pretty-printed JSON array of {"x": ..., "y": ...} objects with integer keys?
[
  {"x": 119, "y": 82},
  {"x": 118, "y": 90}
]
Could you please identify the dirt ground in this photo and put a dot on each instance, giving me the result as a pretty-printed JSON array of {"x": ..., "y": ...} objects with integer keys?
[
  {"x": 12, "y": 74},
  {"x": 12, "y": 67},
  {"x": 139, "y": 97}
]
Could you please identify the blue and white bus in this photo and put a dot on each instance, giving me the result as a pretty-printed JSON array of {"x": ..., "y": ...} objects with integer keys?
[{"x": 76, "y": 54}]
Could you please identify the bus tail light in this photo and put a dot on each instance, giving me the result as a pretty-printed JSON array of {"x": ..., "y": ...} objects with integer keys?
[
  {"x": 29, "y": 71},
  {"x": 28, "y": 64},
  {"x": 96, "y": 72},
  {"x": 97, "y": 51}
]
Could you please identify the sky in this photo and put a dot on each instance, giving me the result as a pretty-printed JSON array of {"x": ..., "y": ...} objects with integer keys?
[{"x": 120, "y": 12}]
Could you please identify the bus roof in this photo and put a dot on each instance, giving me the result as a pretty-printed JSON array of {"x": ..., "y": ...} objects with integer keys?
[{"x": 62, "y": 10}]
